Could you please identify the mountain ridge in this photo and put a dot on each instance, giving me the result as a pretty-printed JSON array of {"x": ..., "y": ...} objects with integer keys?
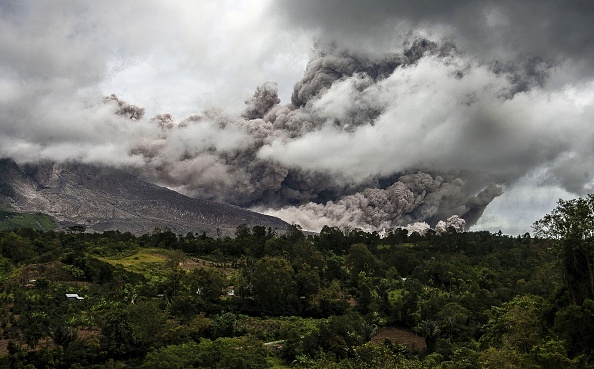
[{"x": 104, "y": 198}]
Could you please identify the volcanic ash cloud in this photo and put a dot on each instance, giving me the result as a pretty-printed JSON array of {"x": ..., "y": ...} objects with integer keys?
[
  {"x": 326, "y": 158},
  {"x": 368, "y": 140}
]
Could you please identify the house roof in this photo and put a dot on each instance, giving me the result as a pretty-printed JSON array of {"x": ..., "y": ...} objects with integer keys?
[{"x": 72, "y": 296}]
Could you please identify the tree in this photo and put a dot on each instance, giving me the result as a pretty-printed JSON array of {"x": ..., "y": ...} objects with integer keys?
[
  {"x": 117, "y": 334},
  {"x": 453, "y": 319},
  {"x": 517, "y": 325},
  {"x": 341, "y": 334},
  {"x": 147, "y": 331},
  {"x": 360, "y": 259},
  {"x": 16, "y": 248},
  {"x": 272, "y": 285},
  {"x": 332, "y": 238},
  {"x": 186, "y": 355},
  {"x": 208, "y": 283},
  {"x": 294, "y": 234},
  {"x": 430, "y": 331},
  {"x": 239, "y": 353},
  {"x": 61, "y": 333},
  {"x": 307, "y": 281},
  {"x": 571, "y": 226},
  {"x": 574, "y": 324},
  {"x": 223, "y": 353},
  {"x": 223, "y": 325}
]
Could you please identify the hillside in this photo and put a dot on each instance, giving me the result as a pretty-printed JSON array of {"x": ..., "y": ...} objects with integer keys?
[
  {"x": 11, "y": 220},
  {"x": 103, "y": 198},
  {"x": 335, "y": 300}
]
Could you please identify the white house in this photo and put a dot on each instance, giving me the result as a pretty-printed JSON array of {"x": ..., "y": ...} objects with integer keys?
[{"x": 74, "y": 296}]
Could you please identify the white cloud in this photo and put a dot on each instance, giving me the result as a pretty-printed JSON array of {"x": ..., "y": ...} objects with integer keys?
[{"x": 434, "y": 119}]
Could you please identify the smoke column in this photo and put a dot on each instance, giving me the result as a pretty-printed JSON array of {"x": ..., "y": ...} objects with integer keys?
[{"x": 232, "y": 159}]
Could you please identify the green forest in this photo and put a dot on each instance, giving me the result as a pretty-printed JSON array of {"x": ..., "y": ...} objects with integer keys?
[{"x": 343, "y": 298}]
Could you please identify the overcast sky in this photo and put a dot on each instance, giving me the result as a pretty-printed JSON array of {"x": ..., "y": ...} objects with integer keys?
[{"x": 521, "y": 115}]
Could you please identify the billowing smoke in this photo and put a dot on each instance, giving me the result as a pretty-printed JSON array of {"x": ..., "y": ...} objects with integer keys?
[
  {"x": 367, "y": 141},
  {"x": 409, "y": 113},
  {"x": 424, "y": 138},
  {"x": 226, "y": 158},
  {"x": 454, "y": 222},
  {"x": 414, "y": 198},
  {"x": 124, "y": 109}
]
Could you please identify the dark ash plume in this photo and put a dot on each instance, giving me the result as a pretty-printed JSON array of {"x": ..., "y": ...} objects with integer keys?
[
  {"x": 414, "y": 198},
  {"x": 330, "y": 66},
  {"x": 218, "y": 157},
  {"x": 265, "y": 97},
  {"x": 367, "y": 141}
]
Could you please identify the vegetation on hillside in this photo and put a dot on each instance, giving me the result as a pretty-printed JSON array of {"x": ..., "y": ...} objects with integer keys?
[
  {"x": 263, "y": 300},
  {"x": 11, "y": 220}
]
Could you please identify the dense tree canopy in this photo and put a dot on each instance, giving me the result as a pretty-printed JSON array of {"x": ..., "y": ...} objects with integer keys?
[
  {"x": 571, "y": 225},
  {"x": 343, "y": 298}
]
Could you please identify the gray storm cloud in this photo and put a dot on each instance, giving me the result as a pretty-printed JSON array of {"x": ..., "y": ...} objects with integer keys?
[
  {"x": 495, "y": 30},
  {"x": 385, "y": 128},
  {"x": 379, "y": 142}
]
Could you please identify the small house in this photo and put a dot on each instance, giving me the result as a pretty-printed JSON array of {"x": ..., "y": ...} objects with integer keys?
[{"x": 74, "y": 296}]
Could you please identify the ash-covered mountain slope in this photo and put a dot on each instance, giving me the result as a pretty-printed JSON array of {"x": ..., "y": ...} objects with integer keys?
[{"x": 103, "y": 198}]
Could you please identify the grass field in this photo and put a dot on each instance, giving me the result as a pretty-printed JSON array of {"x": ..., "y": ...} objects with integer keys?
[
  {"x": 155, "y": 262},
  {"x": 11, "y": 220},
  {"x": 152, "y": 263}
]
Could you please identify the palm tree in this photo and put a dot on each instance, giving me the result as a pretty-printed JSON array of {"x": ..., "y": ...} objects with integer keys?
[{"x": 430, "y": 330}]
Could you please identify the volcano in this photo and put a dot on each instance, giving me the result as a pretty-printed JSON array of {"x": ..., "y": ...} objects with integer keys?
[{"x": 105, "y": 198}]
